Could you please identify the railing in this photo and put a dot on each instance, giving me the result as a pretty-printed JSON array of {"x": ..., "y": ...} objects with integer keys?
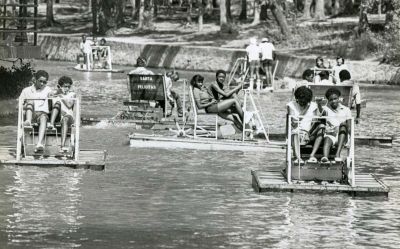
[
  {"x": 350, "y": 163},
  {"x": 20, "y": 127},
  {"x": 22, "y": 18}
]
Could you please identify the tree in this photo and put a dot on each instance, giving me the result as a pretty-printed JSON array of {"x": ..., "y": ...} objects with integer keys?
[
  {"x": 319, "y": 10},
  {"x": 200, "y": 19},
  {"x": 223, "y": 20},
  {"x": 49, "y": 14},
  {"x": 280, "y": 18},
  {"x": 336, "y": 7},
  {"x": 243, "y": 11},
  {"x": 256, "y": 19},
  {"x": 306, "y": 11},
  {"x": 110, "y": 15},
  {"x": 141, "y": 14}
]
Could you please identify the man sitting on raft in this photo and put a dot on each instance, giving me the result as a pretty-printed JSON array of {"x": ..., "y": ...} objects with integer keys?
[
  {"x": 36, "y": 106},
  {"x": 229, "y": 109}
]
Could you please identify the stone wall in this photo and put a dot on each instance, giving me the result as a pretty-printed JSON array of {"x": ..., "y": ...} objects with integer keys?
[{"x": 203, "y": 58}]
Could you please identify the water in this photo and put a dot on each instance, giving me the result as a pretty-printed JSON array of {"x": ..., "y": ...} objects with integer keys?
[{"x": 191, "y": 199}]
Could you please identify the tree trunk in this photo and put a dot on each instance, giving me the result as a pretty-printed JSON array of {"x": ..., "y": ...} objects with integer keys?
[
  {"x": 200, "y": 19},
  {"x": 209, "y": 6},
  {"x": 243, "y": 12},
  {"x": 306, "y": 11},
  {"x": 280, "y": 18},
  {"x": 223, "y": 21},
  {"x": 189, "y": 12},
  {"x": 49, "y": 13},
  {"x": 319, "y": 10},
  {"x": 94, "y": 5},
  {"x": 256, "y": 18},
  {"x": 336, "y": 7},
  {"x": 228, "y": 10},
  {"x": 133, "y": 4},
  {"x": 141, "y": 12}
]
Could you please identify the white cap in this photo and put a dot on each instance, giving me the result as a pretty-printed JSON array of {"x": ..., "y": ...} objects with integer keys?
[{"x": 264, "y": 39}]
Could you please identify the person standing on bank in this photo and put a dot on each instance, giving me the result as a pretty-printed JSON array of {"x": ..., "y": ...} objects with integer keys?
[
  {"x": 253, "y": 55},
  {"x": 267, "y": 57}
]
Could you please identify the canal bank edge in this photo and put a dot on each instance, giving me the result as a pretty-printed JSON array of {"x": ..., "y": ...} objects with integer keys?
[{"x": 202, "y": 58}]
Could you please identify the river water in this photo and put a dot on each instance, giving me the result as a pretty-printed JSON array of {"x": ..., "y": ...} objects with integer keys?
[{"x": 149, "y": 198}]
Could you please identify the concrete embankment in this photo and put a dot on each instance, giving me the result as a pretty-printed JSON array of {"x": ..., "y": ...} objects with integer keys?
[{"x": 201, "y": 58}]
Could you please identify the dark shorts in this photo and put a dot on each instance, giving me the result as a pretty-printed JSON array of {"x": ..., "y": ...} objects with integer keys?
[
  {"x": 36, "y": 116},
  {"x": 212, "y": 108},
  {"x": 267, "y": 62},
  {"x": 255, "y": 63}
]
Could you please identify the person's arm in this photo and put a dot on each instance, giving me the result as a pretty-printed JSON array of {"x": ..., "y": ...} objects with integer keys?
[
  {"x": 69, "y": 102},
  {"x": 196, "y": 94},
  {"x": 226, "y": 94}
]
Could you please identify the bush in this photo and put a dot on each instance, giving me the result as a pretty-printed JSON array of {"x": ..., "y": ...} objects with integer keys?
[{"x": 14, "y": 79}]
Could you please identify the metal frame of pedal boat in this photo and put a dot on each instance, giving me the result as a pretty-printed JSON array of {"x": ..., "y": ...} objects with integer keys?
[
  {"x": 208, "y": 143},
  {"x": 241, "y": 64},
  {"x": 89, "y": 67},
  {"x": 89, "y": 159},
  {"x": 365, "y": 185}
]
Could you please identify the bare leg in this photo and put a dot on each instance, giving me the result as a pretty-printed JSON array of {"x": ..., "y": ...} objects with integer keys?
[
  {"x": 54, "y": 114},
  {"x": 296, "y": 146},
  {"x": 64, "y": 129},
  {"x": 319, "y": 137},
  {"x": 269, "y": 75},
  {"x": 28, "y": 115},
  {"x": 228, "y": 104},
  {"x": 341, "y": 139},
  {"x": 327, "y": 146},
  {"x": 42, "y": 129}
]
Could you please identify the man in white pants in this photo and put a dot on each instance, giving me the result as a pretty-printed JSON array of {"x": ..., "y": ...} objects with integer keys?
[{"x": 267, "y": 57}]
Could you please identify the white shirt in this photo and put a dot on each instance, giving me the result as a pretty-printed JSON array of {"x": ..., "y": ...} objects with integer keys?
[
  {"x": 336, "y": 117},
  {"x": 31, "y": 92},
  {"x": 336, "y": 71},
  {"x": 141, "y": 71},
  {"x": 253, "y": 52},
  {"x": 266, "y": 49},
  {"x": 64, "y": 109},
  {"x": 86, "y": 47},
  {"x": 296, "y": 110}
]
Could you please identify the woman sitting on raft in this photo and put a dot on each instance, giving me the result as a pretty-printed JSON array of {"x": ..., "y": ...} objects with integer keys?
[
  {"x": 217, "y": 87},
  {"x": 229, "y": 109},
  {"x": 303, "y": 131}
]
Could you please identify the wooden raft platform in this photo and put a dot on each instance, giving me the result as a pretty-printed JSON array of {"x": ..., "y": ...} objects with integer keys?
[
  {"x": 366, "y": 185},
  {"x": 88, "y": 159}
]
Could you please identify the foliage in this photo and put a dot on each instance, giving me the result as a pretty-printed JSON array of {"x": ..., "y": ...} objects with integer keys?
[{"x": 14, "y": 79}]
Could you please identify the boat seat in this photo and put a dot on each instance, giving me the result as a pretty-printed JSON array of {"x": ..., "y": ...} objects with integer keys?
[{"x": 196, "y": 112}]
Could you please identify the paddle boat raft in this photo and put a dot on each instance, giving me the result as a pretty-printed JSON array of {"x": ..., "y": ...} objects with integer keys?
[
  {"x": 25, "y": 154},
  {"x": 333, "y": 176},
  {"x": 99, "y": 61},
  {"x": 320, "y": 177}
]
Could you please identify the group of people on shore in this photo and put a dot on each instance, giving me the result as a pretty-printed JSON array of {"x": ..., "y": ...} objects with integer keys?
[
  {"x": 36, "y": 106},
  {"x": 260, "y": 56}
]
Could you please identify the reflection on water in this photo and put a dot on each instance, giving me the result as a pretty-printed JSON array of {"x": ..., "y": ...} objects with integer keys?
[
  {"x": 190, "y": 199},
  {"x": 45, "y": 205}
]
